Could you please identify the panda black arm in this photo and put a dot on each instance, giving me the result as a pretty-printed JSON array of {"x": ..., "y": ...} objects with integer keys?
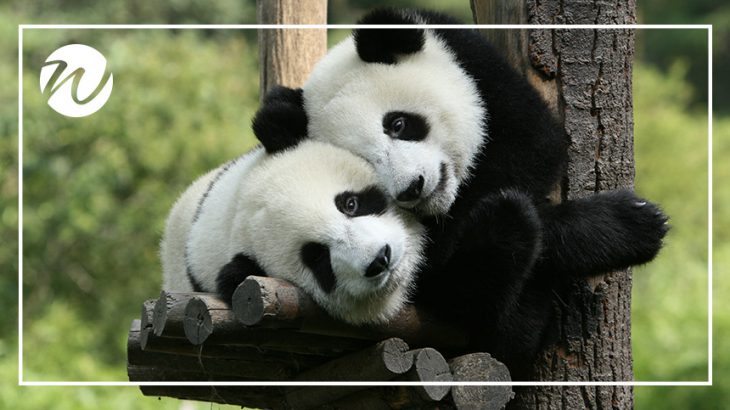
[
  {"x": 233, "y": 273},
  {"x": 601, "y": 233},
  {"x": 492, "y": 249},
  {"x": 281, "y": 121}
]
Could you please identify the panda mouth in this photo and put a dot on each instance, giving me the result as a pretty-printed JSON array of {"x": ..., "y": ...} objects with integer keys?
[{"x": 443, "y": 179}]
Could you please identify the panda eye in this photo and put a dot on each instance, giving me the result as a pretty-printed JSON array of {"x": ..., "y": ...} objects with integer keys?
[
  {"x": 351, "y": 205},
  {"x": 405, "y": 126},
  {"x": 369, "y": 201},
  {"x": 398, "y": 125}
]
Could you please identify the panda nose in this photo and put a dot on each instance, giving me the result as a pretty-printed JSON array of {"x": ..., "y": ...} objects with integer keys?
[
  {"x": 380, "y": 263},
  {"x": 413, "y": 191}
]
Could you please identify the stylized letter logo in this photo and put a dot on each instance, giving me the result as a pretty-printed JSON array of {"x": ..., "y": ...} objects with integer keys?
[{"x": 75, "y": 81}]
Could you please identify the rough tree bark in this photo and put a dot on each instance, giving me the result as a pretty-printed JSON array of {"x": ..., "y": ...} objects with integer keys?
[
  {"x": 288, "y": 55},
  {"x": 585, "y": 76}
]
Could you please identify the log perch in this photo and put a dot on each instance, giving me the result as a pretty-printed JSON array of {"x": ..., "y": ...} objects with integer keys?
[
  {"x": 480, "y": 367},
  {"x": 204, "y": 315},
  {"x": 381, "y": 362},
  {"x": 276, "y": 303},
  {"x": 429, "y": 365},
  {"x": 258, "y": 397},
  {"x": 198, "y": 337},
  {"x": 169, "y": 313}
]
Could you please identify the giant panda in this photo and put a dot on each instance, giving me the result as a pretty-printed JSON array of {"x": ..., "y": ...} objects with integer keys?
[
  {"x": 312, "y": 215},
  {"x": 464, "y": 141}
]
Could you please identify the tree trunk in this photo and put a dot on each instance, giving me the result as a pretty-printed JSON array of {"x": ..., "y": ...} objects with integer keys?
[
  {"x": 585, "y": 76},
  {"x": 287, "y": 56}
]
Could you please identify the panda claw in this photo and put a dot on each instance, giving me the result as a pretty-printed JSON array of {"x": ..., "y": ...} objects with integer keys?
[{"x": 639, "y": 204}]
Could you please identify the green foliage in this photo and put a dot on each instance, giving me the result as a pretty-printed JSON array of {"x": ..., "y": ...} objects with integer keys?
[
  {"x": 669, "y": 321},
  {"x": 97, "y": 189},
  {"x": 662, "y": 48},
  {"x": 702, "y": 397},
  {"x": 671, "y": 168}
]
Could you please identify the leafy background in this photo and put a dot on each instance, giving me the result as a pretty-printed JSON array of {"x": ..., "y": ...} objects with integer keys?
[{"x": 96, "y": 189}]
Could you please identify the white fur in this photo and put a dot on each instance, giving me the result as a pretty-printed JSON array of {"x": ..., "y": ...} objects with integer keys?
[
  {"x": 268, "y": 207},
  {"x": 346, "y": 99}
]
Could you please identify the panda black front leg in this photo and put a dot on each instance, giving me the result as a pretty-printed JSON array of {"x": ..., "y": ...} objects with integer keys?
[
  {"x": 601, "y": 233},
  {"x": 497, "y": 244},
  {"x": 504, "y": 225},
  {"x": 233, "y": 273}
]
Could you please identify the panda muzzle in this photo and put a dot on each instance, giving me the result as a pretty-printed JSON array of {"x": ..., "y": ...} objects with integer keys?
[{"x": 380, "y": 264}]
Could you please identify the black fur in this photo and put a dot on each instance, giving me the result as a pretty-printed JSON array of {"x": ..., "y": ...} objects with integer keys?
[
  {"x": 317, "y": 258},
  {"x": 385, "y": 45},
  {"x": 607, "y": 231},
  {"x": 281, "y": 123},
  {"x": 233, "y": 273},
  {"x": 503, "y": 253}
]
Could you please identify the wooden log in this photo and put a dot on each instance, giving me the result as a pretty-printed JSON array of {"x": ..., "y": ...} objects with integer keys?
[
  {"x": 203, "y": 315},
  {"x": 178, "y": 345},
  {"x": 145, "y": 322},
  {"x": 248, "y": 396},
  {"x": 169, "y": 313},
  {"x": 173, "y": 351},
  {"x": 375, "y": 398},
  {"x": 288, "y": 56},
  {"x": 381, "y": 362},
  {"x": 146, "y": 314},
  {"x": 479, "y": 367},
  {"x": 269, "y": 301},
  {"x": 207, "y": 318},
  {"x": 141, "y": 373},
  {"x": 173, "y": 367},
  {"x": 429, "y": 365},
  {"x": 276, "y": 303},
  {"x": 388, "y": 397},
  {"x": 302, "y": 362}
]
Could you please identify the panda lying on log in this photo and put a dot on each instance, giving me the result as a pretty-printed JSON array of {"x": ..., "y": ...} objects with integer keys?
[
  {"x": 312, "y": 215},
  {"x": 461, "y": 139}
]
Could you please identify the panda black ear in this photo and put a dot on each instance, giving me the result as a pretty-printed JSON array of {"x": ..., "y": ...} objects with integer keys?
[
  {"x": 384, "y": 45},
  {"x": 281, "y": 121}
]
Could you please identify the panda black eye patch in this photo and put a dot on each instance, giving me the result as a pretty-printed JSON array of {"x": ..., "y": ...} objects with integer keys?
[
  {"x": 317, "y": 258},
  {"x": 405, "y": 126},
  {"x": 370, "y": 201}
]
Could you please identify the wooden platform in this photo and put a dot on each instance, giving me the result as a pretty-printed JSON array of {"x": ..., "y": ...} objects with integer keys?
[{"x": 274, "y": 332}]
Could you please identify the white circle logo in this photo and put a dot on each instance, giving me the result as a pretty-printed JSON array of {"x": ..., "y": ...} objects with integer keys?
[{"x": 75, "y": 81}]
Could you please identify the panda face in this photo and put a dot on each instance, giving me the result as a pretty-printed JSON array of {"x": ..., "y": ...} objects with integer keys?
[
  {"x": 419, "y": 122},
  {"x": 316, "y": 217}
]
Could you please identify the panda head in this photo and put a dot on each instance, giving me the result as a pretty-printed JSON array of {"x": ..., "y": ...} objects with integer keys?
[
  {"x": 316, "y": 217},
  {"x": 399, "y": 99}
]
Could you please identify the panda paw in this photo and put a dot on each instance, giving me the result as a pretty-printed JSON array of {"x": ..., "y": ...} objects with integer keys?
[
  {"x": 601, "y": 233},
  {"x": 507, "y": 228},
  {"x": 638, "y": 224}
]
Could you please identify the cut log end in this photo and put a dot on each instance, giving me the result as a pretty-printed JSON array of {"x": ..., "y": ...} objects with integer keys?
[
  {"x": 394, "y": 356},
  {"x": 159, "y": 314},
  {"x": 197, "y": 324},
  {"x": 480, "y": 367},
  {"x": 249, "y": 303},
  {"x": 430, "y": 366}
]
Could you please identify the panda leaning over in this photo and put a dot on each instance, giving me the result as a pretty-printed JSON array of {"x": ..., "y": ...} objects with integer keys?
[{"x": 312, "y": 215}]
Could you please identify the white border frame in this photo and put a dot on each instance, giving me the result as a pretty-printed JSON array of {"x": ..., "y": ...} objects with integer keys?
[{"x": 22, "y": 27}]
